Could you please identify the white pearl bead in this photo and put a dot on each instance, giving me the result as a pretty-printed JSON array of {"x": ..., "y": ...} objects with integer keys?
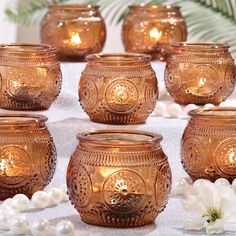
[
  {"x": 55, "y": 196},
  {"x": 6, "y": 216},
  {"x": 19, "y": 225},
  {"x": 65, "y": 197},
  {"x": 40, "y": 200},
  {"x": 200, "y": 182},
  {"x": 234, "y": 185},
  {"x": 225, "y": 104},
  {"x": 179, "y": 187},
  {"x": 160, "y": 109},
  {"x": 10, "y": 203},
  {"x": 222, "y": 182},
  {"x": 22, "y": 202},
  {"x": 208, "y": 105},
  {"x": 174, "y": 110},
  {"x": 40, "y": 227},
  {"x": 65, "y": 228},
  {"x": 190, "y": 107}
]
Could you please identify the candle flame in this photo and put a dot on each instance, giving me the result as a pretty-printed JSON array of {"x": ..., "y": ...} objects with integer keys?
[
  {"x": 155, "y": 34},
  {"x": 74, "y": 39}
]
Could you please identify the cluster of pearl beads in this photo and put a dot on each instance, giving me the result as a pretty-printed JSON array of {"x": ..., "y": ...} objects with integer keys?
[
  {"x": 12, "y": 218},
  {"x": 174, "y": 110},
  {"x": 183, "y": 186}
]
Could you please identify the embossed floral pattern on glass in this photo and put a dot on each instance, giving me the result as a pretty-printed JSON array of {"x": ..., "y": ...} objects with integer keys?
[
  {"x": 118, "y": 88},
  {"x": 27, "y": 154},
  {"x": 74, "y": 30},
  {"x": 200, "y": 73},
  {"x": 30, "y": 76},
  {"x": 152, "y": 28},
  {"x": 119, "y": 178},
  {"x": 209, "y": 144}
]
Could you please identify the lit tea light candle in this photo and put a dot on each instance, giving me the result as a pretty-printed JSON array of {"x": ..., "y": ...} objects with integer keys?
[
  {"x": 11, "y": 164},
  {"x": 74, "y": 40},
  {"x": 155, "y": 35}
]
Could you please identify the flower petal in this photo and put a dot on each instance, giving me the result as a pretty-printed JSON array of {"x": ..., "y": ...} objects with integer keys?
[
  {"x": 191, "y": 204},
  {"x": 215, "y": 228},
  {"x": 194, "y": 224}
]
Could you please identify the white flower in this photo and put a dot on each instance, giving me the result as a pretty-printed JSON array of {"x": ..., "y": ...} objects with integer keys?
[
  {"x": 215, "y": 227},
  {"x": 213, "y": 207}
]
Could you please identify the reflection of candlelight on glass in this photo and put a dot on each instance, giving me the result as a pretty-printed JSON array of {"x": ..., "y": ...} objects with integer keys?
[
  {"x": 74, "y": 40},
  {"x": 121, "y": 187},
  {"x": 41, "y": 71},
  {"x": 155, "y": 35},
  {"x": 201, "y": 82},
  {"x": 231, "y": 156}
]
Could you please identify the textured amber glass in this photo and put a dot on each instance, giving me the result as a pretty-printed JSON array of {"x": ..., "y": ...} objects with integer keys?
[
  {"x": 119, "y": 178},
  {"x": 118, "y": 88},
  {"x": 27, "y": 154},
  {"x": 200, "y": 73},
  {"x": 209, "y": 144},
  {"x": 152, "y": 29},
  {"x": 74, "y": 30},
  {"x": 30, "y": 76}
]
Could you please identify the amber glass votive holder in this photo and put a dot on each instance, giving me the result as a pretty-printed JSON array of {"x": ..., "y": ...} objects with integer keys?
[
  {"x": 118, "y": 88},
  {"x": 119, "y": 178},
  {"x": 74, "y": 30},
  {"x": 30, "y": 76},
  {"x": 209, "y": 144},
  {"x": 152, "y": 28},
  {"x": 200, "y": 73},
  {"x": 27, "y": 154}
]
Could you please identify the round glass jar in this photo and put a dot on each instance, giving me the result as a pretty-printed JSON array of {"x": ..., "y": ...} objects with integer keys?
[
  {"x": 119, "y": 178},
  {"x": 200, "y": 73},
  {"x": 30, "y": 76},
  {"x": 209, "y": 144},
  {"x": 74, "y": 30},
  {"x": 118, "y": 88},
  {"x": 152, "y": 28},
  {"x": 27, "y": 154}
]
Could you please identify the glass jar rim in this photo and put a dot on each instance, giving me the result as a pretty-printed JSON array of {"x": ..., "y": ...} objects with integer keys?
[
  {"x": 126, "y": 140},
  {"x": 215, "y": 112},
  {"x": 27, "y": 49},
  {"x": 201, "y": 45},
  {"x": 153, "y": 6},
  {"x": 119, "y": 57},
  {"x": 19, "y": 119},
  {"x": 73, "y": 6}
]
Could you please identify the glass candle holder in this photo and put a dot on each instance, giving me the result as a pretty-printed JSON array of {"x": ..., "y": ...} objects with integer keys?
[
  {"x": 27, "y": 154},
  {"x": 119, "y": 178},
  {"x": 209, "y": 144},
  {"x": 30, "y": 76},
  {"x": 74, "y": 30},
  {"x": 118, "y": 88},
  {"x": 200, "y": 73},
  {"x": 152, "y": 28}
]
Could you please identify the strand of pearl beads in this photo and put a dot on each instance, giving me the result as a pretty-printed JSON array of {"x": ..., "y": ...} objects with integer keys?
[
  {"x": 174, "y": 110},
  {"x": 12, "y": 218}
]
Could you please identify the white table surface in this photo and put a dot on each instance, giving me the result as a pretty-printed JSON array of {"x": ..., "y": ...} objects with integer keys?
[{"x": 66, "y": 119}]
